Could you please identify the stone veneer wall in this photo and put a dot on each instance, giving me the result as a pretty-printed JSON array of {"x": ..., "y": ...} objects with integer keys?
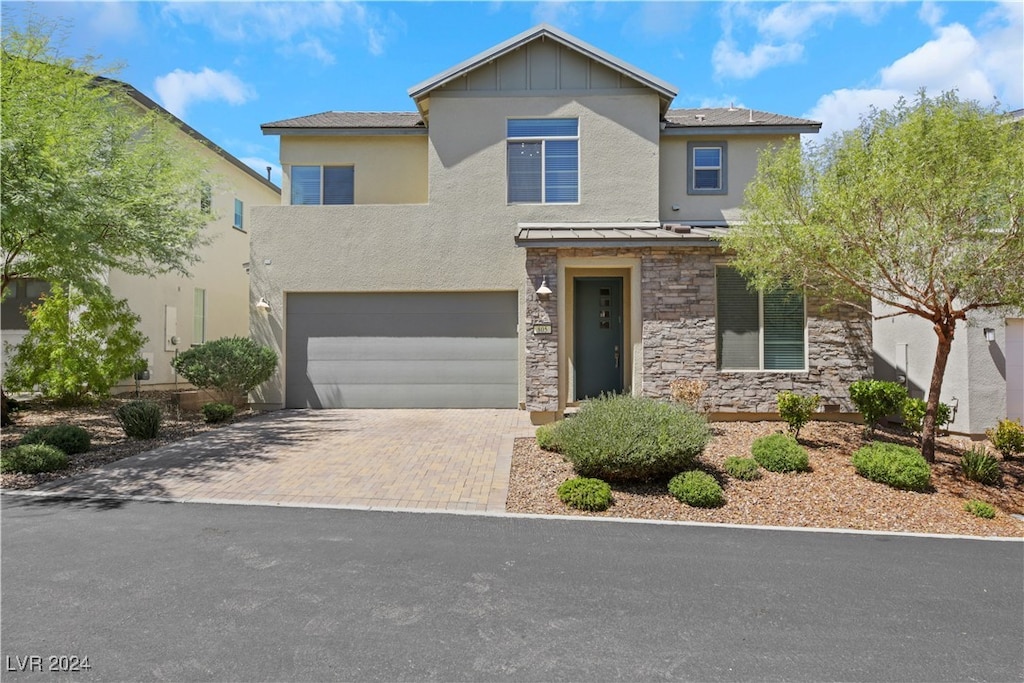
[{"x": 678, "y": 302}]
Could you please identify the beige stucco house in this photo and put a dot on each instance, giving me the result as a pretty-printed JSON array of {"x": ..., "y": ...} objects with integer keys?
[
  {"x": 178, "y": 312},
  {"x": 540, "y": 230}
]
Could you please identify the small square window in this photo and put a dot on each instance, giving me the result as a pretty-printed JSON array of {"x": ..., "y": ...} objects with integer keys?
[{"x": 706, "y": 168}]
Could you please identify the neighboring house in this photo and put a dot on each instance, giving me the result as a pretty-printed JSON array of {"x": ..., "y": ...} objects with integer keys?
[
  {"x": 542, "y": 229},
  {"x": 214, "y": 302}
]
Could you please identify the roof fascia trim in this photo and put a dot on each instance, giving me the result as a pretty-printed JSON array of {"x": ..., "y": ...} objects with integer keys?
[
  {"x": 343, "y": 132},
  {"x": 615, "y": 243},
  {"x": 742, "y": 129}
]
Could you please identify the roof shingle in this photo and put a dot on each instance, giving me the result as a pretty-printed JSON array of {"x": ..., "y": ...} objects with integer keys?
[{"x": 352, "y": 119}]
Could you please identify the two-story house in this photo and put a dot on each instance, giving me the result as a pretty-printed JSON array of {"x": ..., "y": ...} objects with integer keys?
[
  {"x": 178, "y": 312},
  {"x": 540, "y": 230}
]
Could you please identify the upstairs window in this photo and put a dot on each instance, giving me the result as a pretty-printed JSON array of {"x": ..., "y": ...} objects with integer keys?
[
  {"x": 239, "y": 214},
  {"x": 312, "y": 185},
  {"x": 198, "y": 316},
  {"x": 706, "y": 168},
  {"x": 206, "y": 198},
  {"x": 543, "y": 161},
  {"x": 758, "y": 331}
]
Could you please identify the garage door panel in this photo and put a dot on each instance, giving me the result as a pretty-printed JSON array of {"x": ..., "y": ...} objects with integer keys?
[{"x": 402, "y": 350}]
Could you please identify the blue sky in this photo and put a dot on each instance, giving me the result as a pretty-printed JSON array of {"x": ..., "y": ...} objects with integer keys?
[{"x": 227, "y": 67}]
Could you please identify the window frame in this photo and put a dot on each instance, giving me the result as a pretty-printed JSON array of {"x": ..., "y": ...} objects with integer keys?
[
  {"x": 542, "y": 139},
  {"x": 198, "y": 316},
  {"x": 206, "y": 198},
  {"x": 239, "y": 218},
  {"x": 691, "y": 167},
  {"x": 760, "y": 333},
  {"x": 322, "y": 171}
]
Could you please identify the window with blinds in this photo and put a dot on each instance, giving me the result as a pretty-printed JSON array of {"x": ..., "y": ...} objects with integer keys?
[
  {"x": 707, "y": 168},
  {"x": 239, "y": 214},
  {"x": 758, "y": 331},
  {"x": 314, "y": 185},
  {"x": 543, "y": 161}
]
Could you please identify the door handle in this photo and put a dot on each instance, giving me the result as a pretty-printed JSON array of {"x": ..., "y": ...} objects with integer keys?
[{"x": 616, "y": 356}]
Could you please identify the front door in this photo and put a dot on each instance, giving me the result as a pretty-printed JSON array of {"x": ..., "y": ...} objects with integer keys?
[{"x": 597, "y": 330}]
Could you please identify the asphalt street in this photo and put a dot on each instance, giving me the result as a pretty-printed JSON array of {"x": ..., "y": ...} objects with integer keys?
[{"x": 192, "y": 592}]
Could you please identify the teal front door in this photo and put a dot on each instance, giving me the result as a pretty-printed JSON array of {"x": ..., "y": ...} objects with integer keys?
[{"x": 597, "y": 332}]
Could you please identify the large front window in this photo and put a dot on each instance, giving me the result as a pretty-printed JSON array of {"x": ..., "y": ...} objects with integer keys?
[
  {"x": 543, "y": 161},
  {"x": 758, "y": 331},
  {"x": 323, "y": 184}
]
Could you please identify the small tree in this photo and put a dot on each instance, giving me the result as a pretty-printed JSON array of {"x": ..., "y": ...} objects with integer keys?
[
  {"x": 77, "y": 346},
  {"x": 921, "y": 209},
  {"x": 797, "y": 410},
  {"x": 233, "y": 365}
]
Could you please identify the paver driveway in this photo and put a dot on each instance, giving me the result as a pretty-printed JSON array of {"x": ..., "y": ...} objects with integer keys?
[{"x": 441, "y": 459}]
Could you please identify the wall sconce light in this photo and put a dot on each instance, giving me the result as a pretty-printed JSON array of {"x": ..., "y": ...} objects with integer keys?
[
  {"x": 990, "y": 334},
  {"x": 544, "y": 291},
  {"x": 263, "y": 306}
]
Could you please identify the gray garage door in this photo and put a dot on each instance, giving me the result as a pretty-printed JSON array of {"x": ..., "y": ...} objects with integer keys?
[{"x": 409, "y": 350}]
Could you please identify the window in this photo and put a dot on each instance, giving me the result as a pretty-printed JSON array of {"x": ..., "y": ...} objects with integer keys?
[
  {"x": 206, "y": 198},
  {"x": 323, "y": 184},
  {"x": 706, "y": 169},
  {"x": 239, "y": 211},
  {"x": 758, "y": 331},
  {"x": 199, "y": 317},
  {"x": 543, "y": 161}
]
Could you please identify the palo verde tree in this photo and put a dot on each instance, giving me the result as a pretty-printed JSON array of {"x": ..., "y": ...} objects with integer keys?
[
  {"x": 91, "y": 180},
  {"x": 919, "y": 209}
]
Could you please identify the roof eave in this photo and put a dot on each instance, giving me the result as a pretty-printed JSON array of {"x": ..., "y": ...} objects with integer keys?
[
  {"x": 336, "y": 132},
  {"x": 743, "y": 129}
]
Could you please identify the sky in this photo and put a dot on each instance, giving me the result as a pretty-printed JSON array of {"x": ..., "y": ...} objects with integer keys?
[{"x": 227, "y": 67}]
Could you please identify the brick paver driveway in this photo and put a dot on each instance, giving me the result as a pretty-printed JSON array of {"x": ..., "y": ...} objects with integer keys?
[{"x": 439, "y": 459}]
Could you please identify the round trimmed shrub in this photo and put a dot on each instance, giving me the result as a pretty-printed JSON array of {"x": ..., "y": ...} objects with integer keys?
[
  {"x": 139, "y": 419},
  {"x": 745, "y": 469},
  {"x": 218, "y": 412},
  {"x": 900, "y": 467},
  {"x": 584, "y": 493},
  {"x": 32, "y": 458},
  {"x": 630, "y": 438},
  {"x": 67, "y": 438},
  {"x": 780, "y": 453},
  {"x": 697, "y": 489}
]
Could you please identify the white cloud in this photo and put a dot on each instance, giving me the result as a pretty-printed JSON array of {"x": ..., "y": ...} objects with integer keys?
[
  {"x": 733, "y": 63},
  {"x": 931, "y": 13},
  {"x": 981, "y": 66},
  {"x": 178, "y": 89},
  {"x": 315, "y": 49},
  {"x": 561, "y": 13},
  {"x": 115, "y": 20}
]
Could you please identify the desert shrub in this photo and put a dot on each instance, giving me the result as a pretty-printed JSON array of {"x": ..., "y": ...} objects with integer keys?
[
  {"x": 218, "y": 412},
  {"x": 67, "y": 438},
  {"x": 585, "y": 493},
  {"x": 31, "y": 458},
  {"x": 234, "y": 365},
  {"x": 901, "y": 467},
  {"x": 746, "y": 469},
  {"x": 875, "y": 399},
  {"x": 979, "y": 466},
  {"x": 688, "y": 392},
  {"x": 1007, "y": 437},
  {"x": 797, "y": 410},
  {"x": 980, "y": 508},
  {"x": 140, "y": 419},
  {"x": 546, "y": 437},
  {"x": 697, "y": 489},
  {"x": 780, "y": 453},
  {"x": 913, "y": 410},
  {"x": 620, "y": 437}
]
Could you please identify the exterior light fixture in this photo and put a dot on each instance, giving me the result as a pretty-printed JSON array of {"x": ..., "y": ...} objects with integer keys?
[
  {"x": 263, "y": 306},
  {"x": 544, "y": 291},
  {"x": 990, "y": 334}
]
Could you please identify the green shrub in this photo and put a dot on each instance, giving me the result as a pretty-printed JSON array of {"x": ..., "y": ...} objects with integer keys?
[
  {"x": 980, "y": 508},
  {"x": 979, "y": 466},
  {"x": 746, "y": 469},
  {"x": 31, "y": 458},
  {"x": 140, "y": 419},
  {"x": 626, "y": 438},
  {"x": 67, "y": 438},
  {"x": 234, "y": 365},
  {"x": 901, "y": 467},
  {"x": 875, "y": 399},
  {"x": 780, "y": 453},
  {"x": 697, "y": 489},
  {"x": 546, "y": 437},
  {"x": 218, "y": 412},
  {"x": 913, "y": 410},
  {"x": 1007, "y": 437},
  {"x": 583, "y": 493},
  {"x": 797, "y": 410}
]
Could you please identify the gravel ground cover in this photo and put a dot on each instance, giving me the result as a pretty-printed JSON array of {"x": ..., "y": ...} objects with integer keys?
[{"x": 832, "y": 495}]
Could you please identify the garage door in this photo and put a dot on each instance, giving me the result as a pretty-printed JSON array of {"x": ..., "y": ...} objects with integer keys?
[{"x": 407, "y": 350}]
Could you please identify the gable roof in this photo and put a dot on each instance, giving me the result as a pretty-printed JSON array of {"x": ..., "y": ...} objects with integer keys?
[
  {"x": 350, "y": 122},
  {"x": 666, "y": 90},
  {"x": 733, "y": 120}
]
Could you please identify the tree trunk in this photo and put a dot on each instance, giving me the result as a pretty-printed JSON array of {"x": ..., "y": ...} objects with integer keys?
[
  {"x": 944, "y": 331},
  {"x": 5, "y": 416}
]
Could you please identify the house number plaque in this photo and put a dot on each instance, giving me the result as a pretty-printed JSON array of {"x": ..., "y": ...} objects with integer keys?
[{"x": 542, "y": 329}]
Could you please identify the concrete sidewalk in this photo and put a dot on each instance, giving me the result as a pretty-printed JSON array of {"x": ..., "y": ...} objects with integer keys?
[{"x": 379, "y": 459}]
